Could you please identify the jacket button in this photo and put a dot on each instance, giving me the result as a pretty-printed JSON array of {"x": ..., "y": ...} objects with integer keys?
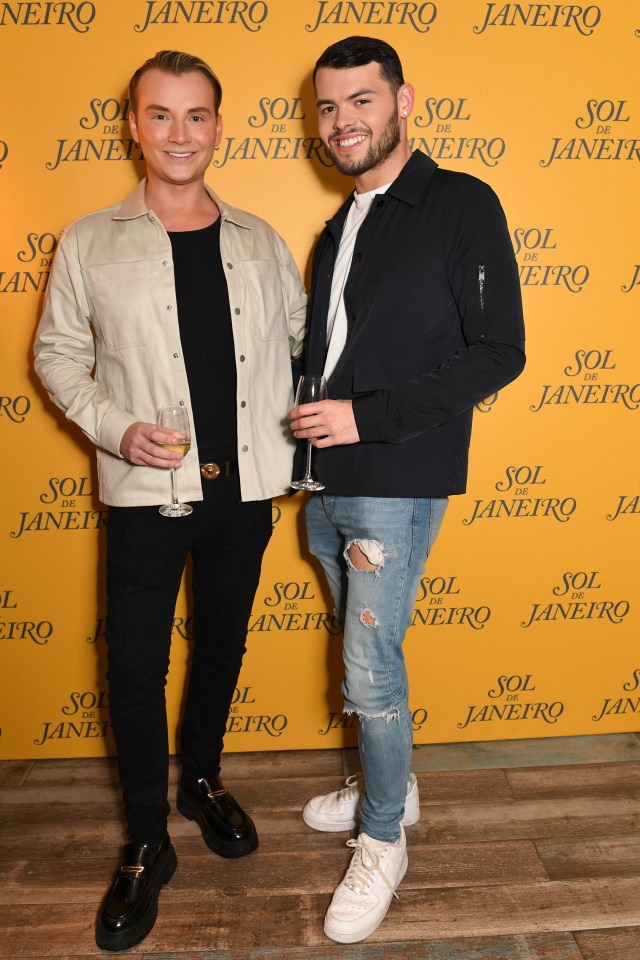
[
  {"x": 242, "y": 358},
  {"x": 230, "y": 266},
  {"x": 243, "y": 403},
  {"x": 237, "y": 311},
  {"x": 245, "y": 448}
]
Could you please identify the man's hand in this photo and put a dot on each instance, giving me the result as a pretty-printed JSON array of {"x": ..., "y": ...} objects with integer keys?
[
  {"x": 328, "y": 423},
  {"x": 139, "y": 445}
]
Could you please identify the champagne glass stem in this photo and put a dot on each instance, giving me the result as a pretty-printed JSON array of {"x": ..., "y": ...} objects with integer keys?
[
  {"x": 308, "y": 473},
  {"x": 174, "y": 487}
]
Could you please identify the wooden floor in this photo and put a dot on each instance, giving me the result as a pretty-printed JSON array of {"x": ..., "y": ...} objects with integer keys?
[{"x": 525, "y": 850}]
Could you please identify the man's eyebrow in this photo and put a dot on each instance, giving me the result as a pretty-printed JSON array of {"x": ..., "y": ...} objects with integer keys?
[
  {"x": 158, "y": 106},
  {"x": 352, "y": 96}
]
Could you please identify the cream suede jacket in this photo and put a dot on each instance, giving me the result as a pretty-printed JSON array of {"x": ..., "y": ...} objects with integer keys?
[{"x": 108, "y": 345}]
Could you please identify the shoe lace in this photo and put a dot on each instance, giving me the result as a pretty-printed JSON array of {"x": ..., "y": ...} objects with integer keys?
[
  {"x": 364, "y": 865},
  {"x": 352, "y": 785}
]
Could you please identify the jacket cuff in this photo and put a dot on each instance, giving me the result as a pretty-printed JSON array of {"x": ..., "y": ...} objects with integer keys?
[
  {"x": 112, "y": 430},
  {"x": 369, "y": 418}
]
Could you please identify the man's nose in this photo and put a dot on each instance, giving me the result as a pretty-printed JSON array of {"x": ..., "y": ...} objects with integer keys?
[
  {"x": 343, "y": 118},
  {"x": 179, "y": 131}
]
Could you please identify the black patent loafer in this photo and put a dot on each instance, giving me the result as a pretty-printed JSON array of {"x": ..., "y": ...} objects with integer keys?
[
  {"x": 130, "y": 908},
  {"x": 226, "y": 828}
]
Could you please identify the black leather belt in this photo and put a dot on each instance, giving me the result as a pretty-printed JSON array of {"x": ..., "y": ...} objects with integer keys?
[{"x": 221, "y": 468}]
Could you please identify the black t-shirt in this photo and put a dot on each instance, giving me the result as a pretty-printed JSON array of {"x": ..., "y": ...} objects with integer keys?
[{"x": 204, "y": 318}]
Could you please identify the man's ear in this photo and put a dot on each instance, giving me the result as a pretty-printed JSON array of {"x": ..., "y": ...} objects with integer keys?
[
  {"x": 406, "y": 95},
  {"x": 133, "y": 126}
]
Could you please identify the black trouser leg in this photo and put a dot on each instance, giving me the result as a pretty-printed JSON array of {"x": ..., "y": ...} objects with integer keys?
[
  {"x": 226, "y": 571},
  {"x": 146, "y": 554}
]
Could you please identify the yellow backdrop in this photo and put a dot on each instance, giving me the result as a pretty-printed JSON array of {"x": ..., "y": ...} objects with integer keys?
[{"x": 526, "y": 623}]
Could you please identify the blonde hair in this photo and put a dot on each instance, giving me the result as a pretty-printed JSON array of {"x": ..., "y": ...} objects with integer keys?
[{"x": 176, "y": 63}]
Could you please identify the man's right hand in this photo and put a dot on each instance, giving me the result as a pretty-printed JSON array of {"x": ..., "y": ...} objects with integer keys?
[{"x": 139, "y": 445}]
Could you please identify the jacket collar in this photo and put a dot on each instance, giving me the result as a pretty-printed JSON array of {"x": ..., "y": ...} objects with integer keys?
[
  {"x": 408, "y": 187},
  {"x": 136, "y": 206}
]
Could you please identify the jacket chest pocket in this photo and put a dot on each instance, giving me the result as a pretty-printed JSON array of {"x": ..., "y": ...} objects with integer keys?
[
  {"x": 120, "y": 294},
  {"x": 265, "y": 299}
]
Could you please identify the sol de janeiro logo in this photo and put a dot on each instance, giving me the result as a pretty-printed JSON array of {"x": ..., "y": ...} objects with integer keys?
[
  {"x": 37, "y": 253},
  {"x": 437, "y": 605},
  {"x": 605, "y": 116},
  {"x": 584, "y": 386},
  {"x": 511, "y": 690},
  {"x": 577, "y": 603},
  {"x": 50, "y": 13},
  {"x": 64, "y": 493},
  {"x": 276, "y": 118},
  {"x": 532, "y": 246},
  {"x": 443, "y": 116},
  {"x": 519, "y": 481},
  {"x": 12, "y": 627},
  {"x": 570, "y": 16},
  {"x": 621, "y": 706},
  {"x": 249, "y": 14},
  {"x": 369, "y": 13}
]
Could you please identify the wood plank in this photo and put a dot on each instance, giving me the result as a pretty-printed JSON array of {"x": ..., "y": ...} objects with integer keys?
[
  {"x": 512, "y": 909},
  {"x": 73, "y": 837},
  {"x": 533, "y": 752},
  {"x": 550, "y": 946},
  {"x": 566, "y": 859},
  {"x": 531, "y": 863},
  {"x": 13, "y": 773},
  {"x": 236, "y": 766},
  {"x": 463, "y": 786},
  {"x": 220, "y": 923},
  {"x": 271, "y": 872},
  {"x": 455, "y": 786},
  {"x": 621, "y": 944},
  {"x": 450, "y": 823},
  {"x": 33, "y": 801},
  {"x": 593, "y": 780}
]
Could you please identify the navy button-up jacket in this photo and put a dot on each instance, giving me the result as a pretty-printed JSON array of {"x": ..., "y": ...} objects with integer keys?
[{"x": 435, "y": 325}]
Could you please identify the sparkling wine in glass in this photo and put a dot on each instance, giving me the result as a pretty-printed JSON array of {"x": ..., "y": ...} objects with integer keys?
[
  {"x": 175, "y": 418},
  {"x": 311, "y": 389}
]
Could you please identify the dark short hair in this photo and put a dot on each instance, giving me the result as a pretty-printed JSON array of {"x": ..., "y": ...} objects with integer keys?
[
  {"x": 357, "y": 52},
  {"x": 176, "y": 63}
]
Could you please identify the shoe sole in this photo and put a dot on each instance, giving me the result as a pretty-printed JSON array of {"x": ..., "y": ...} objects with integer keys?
[
  {"x": 338, "y": 826},
  {"x": 108, "y": 940},
  {"x": 346, "y": 936},
  {"x": 229, "y": 849}
]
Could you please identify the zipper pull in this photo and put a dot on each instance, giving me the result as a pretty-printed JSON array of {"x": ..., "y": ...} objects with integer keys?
[{"x": 481, "y": 289}]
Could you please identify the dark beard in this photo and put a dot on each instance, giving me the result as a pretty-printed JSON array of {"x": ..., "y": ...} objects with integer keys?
[{"x": 375, "y": 155}]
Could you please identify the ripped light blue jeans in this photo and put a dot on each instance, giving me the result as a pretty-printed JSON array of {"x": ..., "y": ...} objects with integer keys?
[{"x": 374, "y": 607}]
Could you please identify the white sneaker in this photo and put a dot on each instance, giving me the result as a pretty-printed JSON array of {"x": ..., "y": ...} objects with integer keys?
[
  {"x": 337, "y": 811},
  {"x": 361, "y": 901}
]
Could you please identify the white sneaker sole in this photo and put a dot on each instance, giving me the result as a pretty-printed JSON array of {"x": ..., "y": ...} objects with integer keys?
[{"x": 340, "y": 935}]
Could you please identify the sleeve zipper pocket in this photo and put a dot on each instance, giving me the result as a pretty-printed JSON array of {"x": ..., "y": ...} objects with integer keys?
[{"x": 483, "y": 326}]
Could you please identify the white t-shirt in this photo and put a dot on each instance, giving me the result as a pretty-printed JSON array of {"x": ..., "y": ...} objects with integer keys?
[{"x": 337, "y": 318}]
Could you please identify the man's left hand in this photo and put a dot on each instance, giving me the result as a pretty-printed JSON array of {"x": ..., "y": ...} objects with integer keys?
[{"x": 328, "y": 423}]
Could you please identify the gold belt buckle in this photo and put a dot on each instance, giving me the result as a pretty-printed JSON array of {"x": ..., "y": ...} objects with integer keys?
[{"x": 210, "y": 471}]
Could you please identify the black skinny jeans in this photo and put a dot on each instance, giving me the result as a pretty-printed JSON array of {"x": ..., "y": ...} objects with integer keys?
[{"x": 146, "y": 556}]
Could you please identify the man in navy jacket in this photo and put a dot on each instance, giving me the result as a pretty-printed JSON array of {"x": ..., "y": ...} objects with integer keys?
[{"x": 415, "y": 317}]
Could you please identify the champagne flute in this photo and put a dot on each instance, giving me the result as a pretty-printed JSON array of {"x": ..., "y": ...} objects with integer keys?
[
  {"x": 175, "y": 418},
  {"x": 311, "y": 389}
]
